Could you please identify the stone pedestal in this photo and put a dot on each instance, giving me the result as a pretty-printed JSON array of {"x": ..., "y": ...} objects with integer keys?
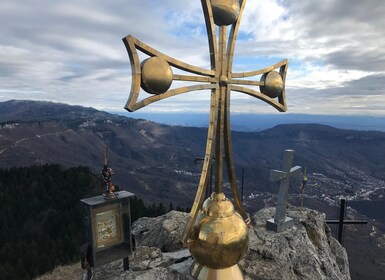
[{"x": 280, "y": 226}]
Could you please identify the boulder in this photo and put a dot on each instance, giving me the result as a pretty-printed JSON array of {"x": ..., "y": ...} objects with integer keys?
[
  {"x": 163, "y": 232},
  {"x": 148, "y": 263},
  {"x": 305, "y": 251}
]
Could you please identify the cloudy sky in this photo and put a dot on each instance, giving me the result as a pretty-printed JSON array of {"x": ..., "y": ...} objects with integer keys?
[{"x": 71, "y": 51}]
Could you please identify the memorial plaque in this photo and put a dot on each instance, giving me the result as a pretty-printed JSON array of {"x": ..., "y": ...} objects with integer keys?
[{"x": 108, "y": 228}]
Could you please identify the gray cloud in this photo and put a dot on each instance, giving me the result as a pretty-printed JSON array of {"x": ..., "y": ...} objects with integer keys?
[
  {"x": 351, "y": 31},
  {"x": 358, "y": 58},
  {"x": 71, "y": 51}
]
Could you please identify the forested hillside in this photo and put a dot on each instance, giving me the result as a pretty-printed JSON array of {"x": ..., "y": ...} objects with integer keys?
[{"x": 41, "y": 221}]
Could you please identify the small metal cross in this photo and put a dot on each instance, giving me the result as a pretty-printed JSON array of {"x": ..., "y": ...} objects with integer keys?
[
  {"x": 155, "y": 76},
  {"x": 341, "y": 222},
  {"x": 281, "y": 221}
]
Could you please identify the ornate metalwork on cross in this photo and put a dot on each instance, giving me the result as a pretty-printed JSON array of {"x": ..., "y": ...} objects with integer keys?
[
  {"x": 107, "y": 173},
  {"x": 215, "y": 233},
  {"x": 305, "y": 184},
  {"x": 281, "y": 221}
]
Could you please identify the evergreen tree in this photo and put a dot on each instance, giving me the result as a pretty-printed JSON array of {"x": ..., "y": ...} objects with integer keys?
[{"x": 41, "y": 217}]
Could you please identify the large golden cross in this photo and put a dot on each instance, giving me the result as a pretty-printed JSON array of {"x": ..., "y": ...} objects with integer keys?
[{"x": 155, "y": 76}]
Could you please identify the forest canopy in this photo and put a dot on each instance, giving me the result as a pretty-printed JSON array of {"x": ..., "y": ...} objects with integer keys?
[{"x": 41, "y": 217}]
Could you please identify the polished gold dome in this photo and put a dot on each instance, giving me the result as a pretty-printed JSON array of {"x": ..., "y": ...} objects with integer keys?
[
  {"x": 225, "y": 12},
  {"x": 273, "y": 84},
  {"x": 220, "y": 236},
  {"x": 156, "y": 75}
]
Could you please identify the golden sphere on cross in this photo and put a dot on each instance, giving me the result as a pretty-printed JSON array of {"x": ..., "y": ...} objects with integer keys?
[
  {"x": 273, "y": 84},
  {"x": 220, "y": 235},
  {"x": 156, "y": 75},
  {"x": 225, "y": 12}
]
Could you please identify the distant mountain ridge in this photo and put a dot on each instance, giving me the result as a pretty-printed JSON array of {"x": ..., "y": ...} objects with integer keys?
[
  {"x": 27, "y": 110},
  {"x": 258, "y": 122},
  {"x": 151, "y": 158}
]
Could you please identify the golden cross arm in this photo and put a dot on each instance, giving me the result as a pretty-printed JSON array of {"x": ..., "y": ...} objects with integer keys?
[{"x": 208, "y": 78}]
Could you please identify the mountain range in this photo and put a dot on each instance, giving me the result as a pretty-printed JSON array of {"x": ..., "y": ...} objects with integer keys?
[
  {"x": 150, "y": 158},
  {"x": 258, "y": 122},
  {"x": 156, "y": 161}
]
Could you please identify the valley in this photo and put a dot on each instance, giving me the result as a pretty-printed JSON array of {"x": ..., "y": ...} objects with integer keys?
[{"x": 156, "y": 162}]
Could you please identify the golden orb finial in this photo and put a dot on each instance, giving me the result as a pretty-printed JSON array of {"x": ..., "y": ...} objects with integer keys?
[
  {"x": 156, "y": 75},
  {"x": 225, "y": 12},
  {"x": 220, "y": 236},
  {"x": 273, "y": 84}
]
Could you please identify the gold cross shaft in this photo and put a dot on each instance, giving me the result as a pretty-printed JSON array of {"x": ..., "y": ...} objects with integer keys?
[{"x": 155, "y": 76}]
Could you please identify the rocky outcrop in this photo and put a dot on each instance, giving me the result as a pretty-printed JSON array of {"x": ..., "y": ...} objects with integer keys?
[
  {"x": 148, "y": 263},
  {"x": 163, "y": 232},
  {"x": 307, "y": 251}
]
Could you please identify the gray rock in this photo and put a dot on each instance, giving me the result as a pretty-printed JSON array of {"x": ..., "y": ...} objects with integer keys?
[
  {"x": 145, "y": 258},
  {"x": 163, "y": 232},
  {"x": 178, "y": 256},
  {"x": 182, "y": 270},
  {"x": 147, "y": 263},
  {"x": 307, "y": 251},
  {"x": 155, "y": 273}
]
